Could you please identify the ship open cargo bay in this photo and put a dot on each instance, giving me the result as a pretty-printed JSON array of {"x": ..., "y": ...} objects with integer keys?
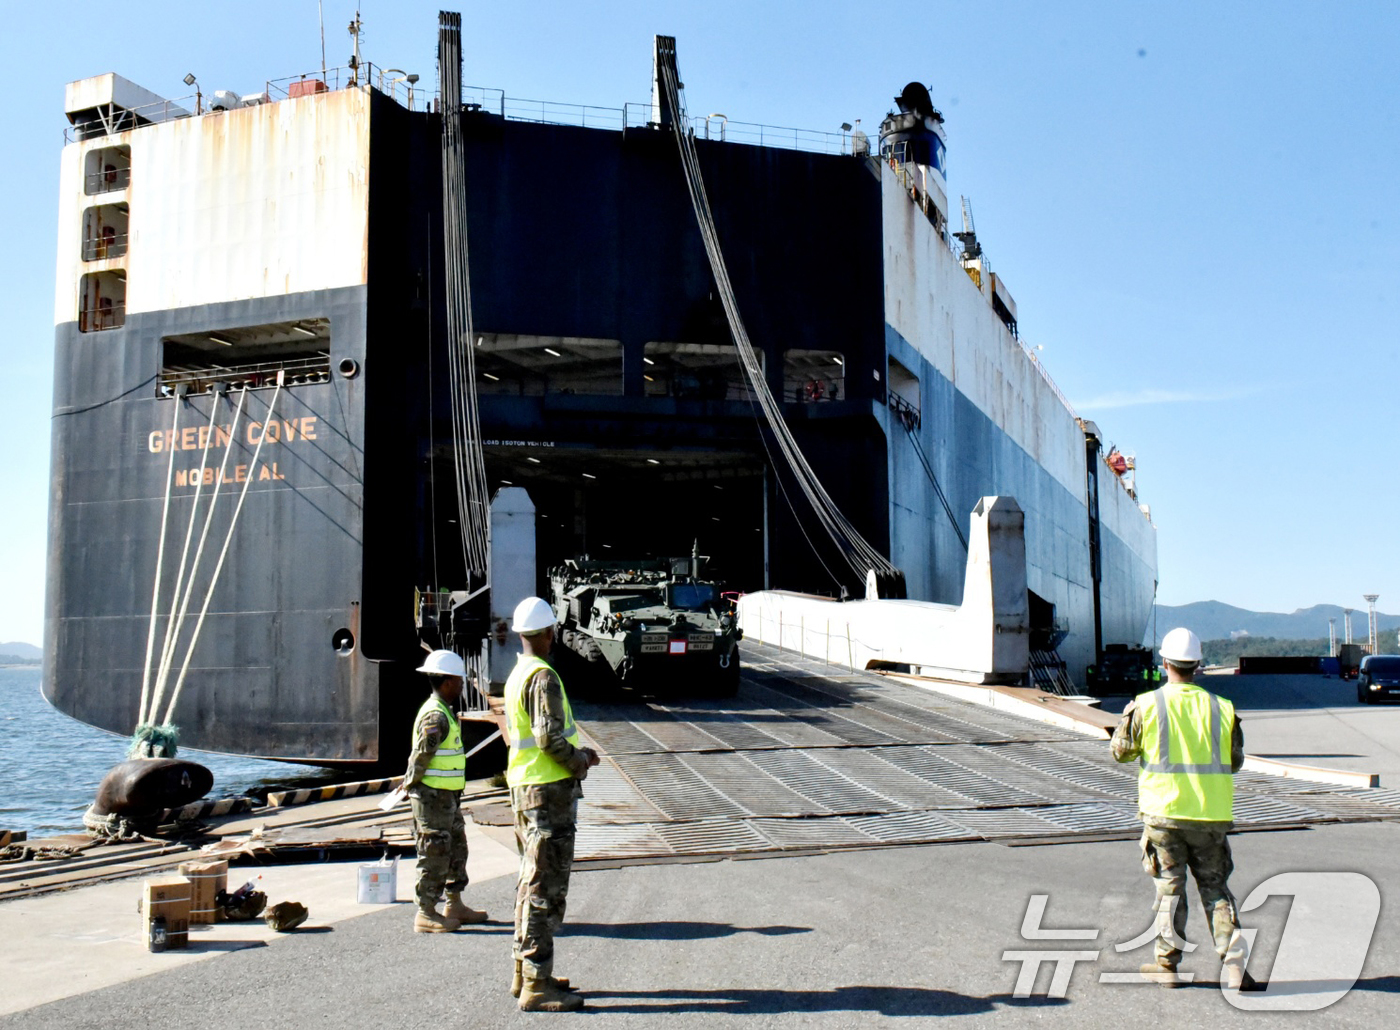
[
  {"x": 320, "y": 365},
  {"x": 811, "y": 756}
]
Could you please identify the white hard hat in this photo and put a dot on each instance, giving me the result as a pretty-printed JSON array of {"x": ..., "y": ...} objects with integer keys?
[
  {"x": 532, "y": 615},
  {"x": 1181, "y": 645},
  {"x": 444, "y": 663}
]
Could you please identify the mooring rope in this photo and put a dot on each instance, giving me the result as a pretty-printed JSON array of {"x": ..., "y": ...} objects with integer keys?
[
  {"x": 228, "y": 539},
  {"x": 167, "y": 643},
  {"x": 160, "y": 562},
  {"x": 163, "y": 677}
]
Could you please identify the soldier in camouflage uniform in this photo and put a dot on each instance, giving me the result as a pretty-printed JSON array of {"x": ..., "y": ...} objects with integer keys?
[
  {"x": 1180, "y": 804},
  {"x": 545, "y": 771},
  {"x": 434, "y": 782}
]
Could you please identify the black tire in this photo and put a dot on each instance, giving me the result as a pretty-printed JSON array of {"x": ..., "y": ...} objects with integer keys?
[{"x": 726, "y": 681}]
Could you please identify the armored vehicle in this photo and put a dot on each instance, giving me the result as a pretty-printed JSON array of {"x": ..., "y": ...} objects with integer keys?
[{"x": 654, "y": 623}]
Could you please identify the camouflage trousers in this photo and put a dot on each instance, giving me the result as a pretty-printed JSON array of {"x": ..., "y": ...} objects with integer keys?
[
  {"x": 1167, "y": 854},
  {"x": 441, "y": 836},
  {"x": 544, "y": 831}
]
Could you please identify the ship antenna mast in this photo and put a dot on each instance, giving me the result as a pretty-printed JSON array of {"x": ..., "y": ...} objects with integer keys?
[
  {"x": 321, "y": 20},
  {"x": 356, "y": 27}
]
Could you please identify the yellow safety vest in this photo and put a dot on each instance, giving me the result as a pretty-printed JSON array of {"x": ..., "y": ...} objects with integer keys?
[
  {"x": 447, "y": 768},
  {"x": 1185, "y": 765},
  {"x": 528, "y": 763}
]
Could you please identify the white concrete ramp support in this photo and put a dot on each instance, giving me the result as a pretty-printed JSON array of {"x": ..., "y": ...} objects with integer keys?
[
  {"x": 512, "y": 573},
  {"x": 984, "y": 640}
]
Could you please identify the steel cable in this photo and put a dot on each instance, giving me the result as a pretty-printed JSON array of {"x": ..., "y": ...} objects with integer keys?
[{"x": 859, "y": 554}]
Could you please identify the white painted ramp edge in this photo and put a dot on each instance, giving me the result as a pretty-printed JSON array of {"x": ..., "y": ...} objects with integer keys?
[{"x": 990, "y": 697}]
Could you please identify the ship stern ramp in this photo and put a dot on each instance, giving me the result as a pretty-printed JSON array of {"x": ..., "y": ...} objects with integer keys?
[{"x": 983, "y": 640}]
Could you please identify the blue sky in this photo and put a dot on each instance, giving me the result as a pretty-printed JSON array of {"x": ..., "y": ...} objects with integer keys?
[{"x": 1194, "y": 204}]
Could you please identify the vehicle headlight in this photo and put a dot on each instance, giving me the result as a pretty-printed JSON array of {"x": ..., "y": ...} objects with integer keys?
[{"x": 1375, "y": 686}]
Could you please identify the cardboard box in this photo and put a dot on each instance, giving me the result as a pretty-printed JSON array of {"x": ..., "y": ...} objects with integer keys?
[
  {"x": 170, "y": 897},
  {"x": 206, "y": 880}
]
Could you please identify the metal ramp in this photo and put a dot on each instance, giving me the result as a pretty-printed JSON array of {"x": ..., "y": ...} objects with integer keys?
[{"x": 811, "y": 757}]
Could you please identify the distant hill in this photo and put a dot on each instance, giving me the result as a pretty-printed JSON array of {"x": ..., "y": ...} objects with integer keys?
[
  {"x": 19, "y": 650},
  {"x": 1214, "y": 620}
]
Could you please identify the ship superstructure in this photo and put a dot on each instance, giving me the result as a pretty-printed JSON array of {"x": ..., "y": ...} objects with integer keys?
[{"x": 254, "y": 408}]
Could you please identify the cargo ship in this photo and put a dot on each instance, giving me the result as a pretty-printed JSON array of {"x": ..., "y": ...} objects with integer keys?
[{"x": 260, "y": 475}]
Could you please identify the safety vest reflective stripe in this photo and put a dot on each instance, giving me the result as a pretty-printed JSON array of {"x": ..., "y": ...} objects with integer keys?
[
  {"x": 1195, "y": 727},
  {"x": 528, "y": 741},
  {"x": 528, "y": 763},
  {"x": 1164, "y": 741},
  {"x": 447, "y": 766}
]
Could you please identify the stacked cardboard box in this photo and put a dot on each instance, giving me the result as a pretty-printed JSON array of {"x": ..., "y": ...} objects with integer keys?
[
  {"x": 169, "y": 897},
  {"x": 206, "y": 880}
]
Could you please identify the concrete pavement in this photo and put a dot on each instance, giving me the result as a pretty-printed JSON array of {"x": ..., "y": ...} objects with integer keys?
[{"x": 844, "y": 940}]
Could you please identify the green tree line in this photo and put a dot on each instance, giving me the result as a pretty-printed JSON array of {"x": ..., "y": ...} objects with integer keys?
[{"x": 1228, "y": 652}]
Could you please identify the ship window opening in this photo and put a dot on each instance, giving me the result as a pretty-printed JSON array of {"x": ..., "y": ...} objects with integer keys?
[
  {"x": 106, "y": 169},
  {"x": 695, "y": 371},
  {"x": 101, "y": 301},
  {"x": 252, "y": 356},
  {"x": 532, "y": 366},
  {"x": 903, "y": 393},
  {"x": 105, "y": 232},
  {"x": 814, "y": 376}
]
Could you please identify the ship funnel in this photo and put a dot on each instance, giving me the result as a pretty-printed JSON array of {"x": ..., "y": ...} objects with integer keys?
[{"x": 914, "y": 99}]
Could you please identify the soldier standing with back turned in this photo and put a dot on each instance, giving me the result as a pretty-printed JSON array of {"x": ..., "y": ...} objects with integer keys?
[
  {"x": 544, "y": 772},
  {"x": 1181, "y": 736},
  {"x": 434, "y": 782}
]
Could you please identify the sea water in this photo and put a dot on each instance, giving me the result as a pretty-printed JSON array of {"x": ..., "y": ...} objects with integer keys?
[{"x": 50, "y": 765}]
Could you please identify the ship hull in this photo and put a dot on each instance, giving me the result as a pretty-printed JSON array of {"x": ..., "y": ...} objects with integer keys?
[{"x": 593, "y": 253}]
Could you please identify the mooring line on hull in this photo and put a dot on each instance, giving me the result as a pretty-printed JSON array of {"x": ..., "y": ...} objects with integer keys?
[
  {"x": 171, "y": 627},
  {"x": 859, "y": 554},
  {"x": 223, "y": 553},
  {"x": 176, "y": 624},
  {"x": 160, "y": 563},
  {"x": 937, "y": 487}
]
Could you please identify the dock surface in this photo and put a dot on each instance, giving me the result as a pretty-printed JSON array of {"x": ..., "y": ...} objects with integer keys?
[{"x": 753, "y": 861}]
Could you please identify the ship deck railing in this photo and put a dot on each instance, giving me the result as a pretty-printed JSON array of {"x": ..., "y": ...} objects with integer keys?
[{"x": 394, "y": 83}]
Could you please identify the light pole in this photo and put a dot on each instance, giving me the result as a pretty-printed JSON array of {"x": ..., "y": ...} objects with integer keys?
[
  {"x": 1332, "y": 637},
  {"x": 1347, "y": 612},
  {"x": 1371, "y": 622}
]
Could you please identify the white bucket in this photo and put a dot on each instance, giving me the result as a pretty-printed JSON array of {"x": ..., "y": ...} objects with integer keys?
[{"x": 379, "y": 883}]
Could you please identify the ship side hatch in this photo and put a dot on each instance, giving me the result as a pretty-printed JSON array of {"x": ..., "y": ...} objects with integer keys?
[{"x": 246, "y": 356}]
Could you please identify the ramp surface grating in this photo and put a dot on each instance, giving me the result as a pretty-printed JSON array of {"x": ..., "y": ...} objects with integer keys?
[{"x": 810, "y": 757}]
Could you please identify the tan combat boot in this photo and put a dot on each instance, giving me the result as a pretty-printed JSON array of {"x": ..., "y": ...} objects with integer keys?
[
  {"x": 430, "y": 920},
  {"x": 460, "y": 912},
  {"x": 547, "y": 996},
  {"x": 1236, "y": 978},
  {"x": 518, "y": 981},
  {"x": 1165, "y": 976}
]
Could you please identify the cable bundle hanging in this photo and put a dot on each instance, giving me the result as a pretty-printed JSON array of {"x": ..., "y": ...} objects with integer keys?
[
  {"x": 860, "y": 555},
  {"x": 473, "y": 493}
]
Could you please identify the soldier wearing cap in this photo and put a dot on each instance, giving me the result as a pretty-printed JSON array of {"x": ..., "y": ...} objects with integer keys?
[
  {"x": 434, "y": 782},
  {"x": 1188, "y": 744},
  {"x": 545, "y": 769}
]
